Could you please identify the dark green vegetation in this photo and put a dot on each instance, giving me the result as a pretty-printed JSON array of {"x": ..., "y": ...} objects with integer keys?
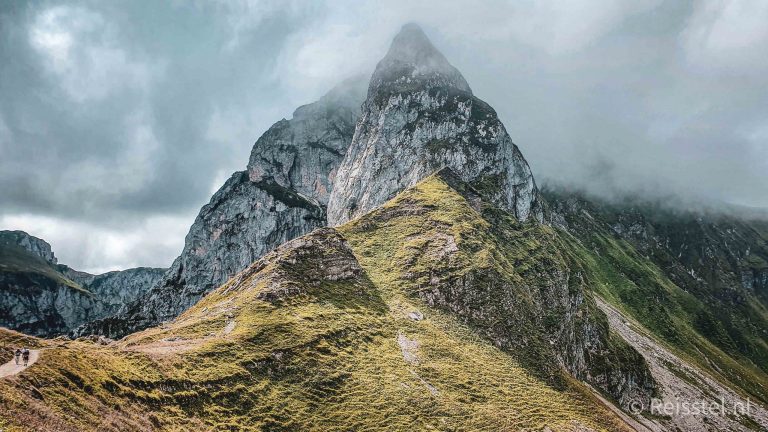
[{"x": 697, "y": 281}]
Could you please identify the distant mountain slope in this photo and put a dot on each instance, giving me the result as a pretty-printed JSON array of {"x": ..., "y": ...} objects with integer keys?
[
  {"x": 41, "y": 297},
  {"x": 697, "y": 280}
]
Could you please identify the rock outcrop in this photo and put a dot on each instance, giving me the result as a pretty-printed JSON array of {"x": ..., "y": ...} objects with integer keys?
[
  {"x": 34, "y": 245},
  {"x": 304, "y": 153},
  {"x": 420, "y": 115},
  {"x": 281, "y": 196},
  {"x": 116, "y": 288},
  {"x": 42, "y": 298}
]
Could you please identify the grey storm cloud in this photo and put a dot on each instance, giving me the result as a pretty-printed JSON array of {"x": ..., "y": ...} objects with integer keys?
[{"x": 119, "y": 119}]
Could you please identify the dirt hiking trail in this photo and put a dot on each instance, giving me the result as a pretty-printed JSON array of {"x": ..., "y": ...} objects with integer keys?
[{"x": 11, "y": 368}]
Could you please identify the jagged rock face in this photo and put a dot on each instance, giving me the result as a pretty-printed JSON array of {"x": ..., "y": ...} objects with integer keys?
[
  {"x": 419, "y": 116},
  {"x": 41, "y": 306},
  {"x": 243, "y": 221},
  {"x": 42, "y": 298},
  {"x": 33, "y": 244},
  {"x": 38, "y": 305},
  {"x": 304, "y": 153},
  {"x": 117, "y": 288}
]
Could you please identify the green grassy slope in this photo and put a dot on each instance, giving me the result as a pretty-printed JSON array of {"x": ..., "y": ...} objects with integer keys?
[
  {"x": 305, "y": 339},
  {"x": 440, "y": 243},
  {"x": 697, "y": 318}
]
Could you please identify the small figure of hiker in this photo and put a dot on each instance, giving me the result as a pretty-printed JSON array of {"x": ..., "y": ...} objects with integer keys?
[
  {"x": 17, "y": 355},
  {"x": 25, "y": 356}
]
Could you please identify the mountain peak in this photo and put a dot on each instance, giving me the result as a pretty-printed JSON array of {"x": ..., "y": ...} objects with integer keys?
[
  {"x": 420, "y": 115},
  {"x": 412, "y": 59},
  {"x": 411, "y": 45}
]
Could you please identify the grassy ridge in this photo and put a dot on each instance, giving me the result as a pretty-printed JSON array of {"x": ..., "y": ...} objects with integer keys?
[
  {"x": 440, "y": 244},
  {"x": 289, "y": 344}
]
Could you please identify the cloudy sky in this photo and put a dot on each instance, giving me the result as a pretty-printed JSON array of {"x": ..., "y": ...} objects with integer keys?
[{"x": 119, "y": 119}]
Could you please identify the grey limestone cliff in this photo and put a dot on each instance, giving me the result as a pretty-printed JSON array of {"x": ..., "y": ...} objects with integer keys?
[
  {"x": 32, "y": 244},
  {"x": 281, "y": 196},
  {"x": 420, "y": 116}
]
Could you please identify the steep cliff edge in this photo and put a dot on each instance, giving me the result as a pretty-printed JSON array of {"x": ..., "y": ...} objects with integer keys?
[
  {"x": 281, "y": 196},
  {"x": 31, "y": 244}
]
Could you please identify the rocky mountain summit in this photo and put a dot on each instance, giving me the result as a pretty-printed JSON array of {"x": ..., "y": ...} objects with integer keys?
[
  {"x": 420, "y": 116},
  {"x": 295, "y": 168},
  {"x": 41, "y": 297}
]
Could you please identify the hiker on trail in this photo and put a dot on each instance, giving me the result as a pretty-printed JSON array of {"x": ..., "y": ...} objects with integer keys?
[
  {"x": 25, "y": 356},
  {"x": 18, "y": 355}
]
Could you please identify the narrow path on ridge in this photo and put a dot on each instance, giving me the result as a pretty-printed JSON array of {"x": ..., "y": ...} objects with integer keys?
[{"x": 11, "y": 368}]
